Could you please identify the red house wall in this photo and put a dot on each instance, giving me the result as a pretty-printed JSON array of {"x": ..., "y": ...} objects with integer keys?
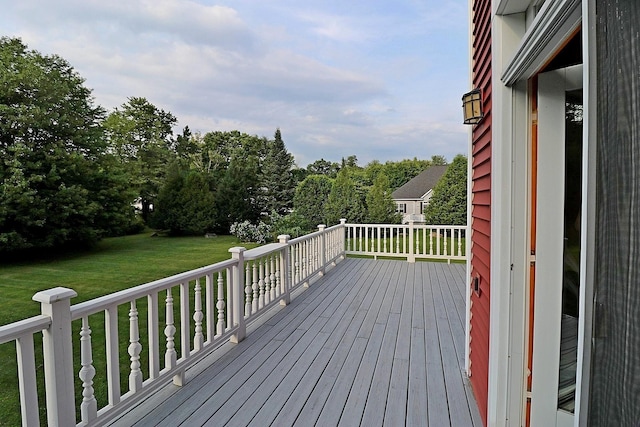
[{"x": 481, "y": 206}]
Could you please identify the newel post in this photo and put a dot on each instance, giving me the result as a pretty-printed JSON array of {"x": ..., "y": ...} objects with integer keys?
[
  {"x": 285, "y": 273},
  {"x": 343, "y": 223},
  {"x": 323, "y": 248},
  {"x": 58, "y": 356},
  {"x": 411, "y": 255},
  {"x": 237, "y": 297}
]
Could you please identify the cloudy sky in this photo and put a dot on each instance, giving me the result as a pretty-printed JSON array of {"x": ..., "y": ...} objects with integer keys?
[{"x": 378, "y": 79}]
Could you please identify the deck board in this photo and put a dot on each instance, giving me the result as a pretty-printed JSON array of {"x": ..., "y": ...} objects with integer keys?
[{"x": 374, "y": 342}]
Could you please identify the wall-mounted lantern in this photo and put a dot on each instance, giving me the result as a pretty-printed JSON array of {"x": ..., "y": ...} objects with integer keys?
[{"x": 472, "y": 107}]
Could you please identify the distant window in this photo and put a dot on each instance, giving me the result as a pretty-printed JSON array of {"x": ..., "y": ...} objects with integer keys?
[{"x": 401, "y": 207}]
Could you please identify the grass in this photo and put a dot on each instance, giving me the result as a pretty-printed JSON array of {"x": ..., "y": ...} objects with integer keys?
[{"x": 114, "y": 264}]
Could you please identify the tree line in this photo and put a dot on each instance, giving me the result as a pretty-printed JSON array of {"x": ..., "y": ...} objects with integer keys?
[{"x": 72, "y": 173}]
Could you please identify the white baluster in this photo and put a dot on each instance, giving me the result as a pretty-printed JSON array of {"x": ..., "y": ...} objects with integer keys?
[
  {"x": 169, "y": 332},
  {"x": 261, "y": 284},
  {"x": 221, "y": 326},
  {"x": 384, "y": 240},
  {"x": 198, "y": 338},
  {"x": 267, "y": 281},
  {"x": 446, "y": 244},
  {"x": 430, "y": 241},
  {"x": 459, "y": 242},
  {"x": 135, "y": 376},
  {"x": 275, "y": 283},
  {"x": 210, "y": 307},
  {"x": 247, "y": 291},
  {"x": 89, "y": 406},
  {"x": 298, "y": 259},
  {"x": 256, "y": 289}
]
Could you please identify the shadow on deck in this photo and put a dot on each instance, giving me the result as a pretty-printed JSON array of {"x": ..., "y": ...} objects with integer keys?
[{"x": 374, "y": 342}]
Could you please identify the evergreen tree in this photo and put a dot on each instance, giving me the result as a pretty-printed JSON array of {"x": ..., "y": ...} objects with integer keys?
[
  {"x": 310, "y": 199},
  {"x": 381, "y": 209},
  {"x": 344, "y": 201},
  {"x": 185, "y": 204},
  {"x": 236, "y": 196},
  {"x": 277, "y": 182},
  {"x": 448, "y": 205}
]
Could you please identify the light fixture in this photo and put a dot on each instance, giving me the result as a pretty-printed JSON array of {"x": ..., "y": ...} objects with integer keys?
[{"x": 472, "y": 107}]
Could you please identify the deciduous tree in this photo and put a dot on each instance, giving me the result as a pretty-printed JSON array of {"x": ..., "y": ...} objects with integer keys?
[
  {"x": 141, "y": 136},
  {"x": 344, "y": 200},
  {"x": 57, "y": 185},
  {"x": 381, "y": 209}
]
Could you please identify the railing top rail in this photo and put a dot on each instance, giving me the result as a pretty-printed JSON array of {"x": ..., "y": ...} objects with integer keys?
[
  {"x": 333, "y": 227},
  {"x": 261, "y": 251},
  {"x": 406, "y": 225},
  {"x": 26, "y": 326},
  {"x": 305, "y": 237},
  {"x": 120, "y": 297}
]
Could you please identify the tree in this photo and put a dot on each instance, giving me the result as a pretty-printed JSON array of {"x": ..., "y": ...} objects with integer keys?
[
  {"x": 276, "y": 178},
  {"x": 57, "y": 184},
  {"x": 140, "y": 134},
  {"x": 185, "y": 204},
  {"x": 448, "y": 205},
  {"x": 381, "y": 209},
  {"x": 237, "y": 192},
  {"x": 312, "y": 194},
  {"x": 344, "y": 200},
  {"x": 324, "y": 167}
]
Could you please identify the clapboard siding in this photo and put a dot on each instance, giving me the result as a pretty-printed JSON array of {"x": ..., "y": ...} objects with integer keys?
[{"x": 481, "y": 207}]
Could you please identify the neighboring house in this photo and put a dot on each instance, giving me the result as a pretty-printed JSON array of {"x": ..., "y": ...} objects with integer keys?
[
  {"x": 413, "y": 196},
  {"x": 554, "y": 301}
]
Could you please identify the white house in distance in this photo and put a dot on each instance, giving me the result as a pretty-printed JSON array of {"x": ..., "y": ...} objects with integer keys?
[{"x": 413, "y": 196}]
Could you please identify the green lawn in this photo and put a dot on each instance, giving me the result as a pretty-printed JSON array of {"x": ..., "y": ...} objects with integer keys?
[{"x": 114, "y": 264}]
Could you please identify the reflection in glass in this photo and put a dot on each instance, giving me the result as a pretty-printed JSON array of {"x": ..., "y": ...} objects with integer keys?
[{"x": 571, "y": 273}]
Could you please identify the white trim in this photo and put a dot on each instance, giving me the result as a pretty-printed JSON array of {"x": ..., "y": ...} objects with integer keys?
[
  {"x": 506, "y": 33},
  {"x": 549, "y": 248},
  {"x": 552, "y": 87},
  {"x": 554, "y": 23},
  {"x": 588, "y": 223},
  {"x": 520, "y": 254}
]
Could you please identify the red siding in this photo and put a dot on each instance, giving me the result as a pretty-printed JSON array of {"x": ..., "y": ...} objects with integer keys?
[{"x": 481, "y": 207}]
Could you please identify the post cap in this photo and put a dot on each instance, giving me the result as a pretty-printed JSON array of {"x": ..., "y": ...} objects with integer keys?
[{"x": 54, "y": 295}]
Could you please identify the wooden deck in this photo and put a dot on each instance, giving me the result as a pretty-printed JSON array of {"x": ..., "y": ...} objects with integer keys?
[{"x": 374, "y": 342}]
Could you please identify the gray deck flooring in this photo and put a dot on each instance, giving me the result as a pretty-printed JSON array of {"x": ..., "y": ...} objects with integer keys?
[{"x": 374, "y": 342}]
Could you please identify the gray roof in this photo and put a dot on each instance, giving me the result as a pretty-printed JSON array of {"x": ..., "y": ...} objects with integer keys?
[{"x": 421, "y": 184}]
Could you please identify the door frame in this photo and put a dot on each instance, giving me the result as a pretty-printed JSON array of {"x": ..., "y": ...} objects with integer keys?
[{"x": 552, "y": 87}]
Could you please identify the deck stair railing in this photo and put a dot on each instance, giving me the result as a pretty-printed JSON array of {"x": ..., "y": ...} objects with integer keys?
[{"x": 150, "y": 334}]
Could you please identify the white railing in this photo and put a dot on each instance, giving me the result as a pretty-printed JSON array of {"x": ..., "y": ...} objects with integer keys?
[
  {"x": 216, "y": 301},
  {"x": 187, "y": 316},
  {"x": 411, "y": 241}
]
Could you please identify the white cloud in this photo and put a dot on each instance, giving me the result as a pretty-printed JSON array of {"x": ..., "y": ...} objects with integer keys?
[{"x": 337, "y": 81}]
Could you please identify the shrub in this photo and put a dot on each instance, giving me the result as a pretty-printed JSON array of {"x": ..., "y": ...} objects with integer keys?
[
  {"x": 293, "y": 224},
  {"x": 245, "y": 231}
]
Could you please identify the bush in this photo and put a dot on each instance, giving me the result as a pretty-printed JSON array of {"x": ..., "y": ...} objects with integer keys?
[
  {"x": 248, "y": 232},
  {"x": 293, "y": 224}
]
